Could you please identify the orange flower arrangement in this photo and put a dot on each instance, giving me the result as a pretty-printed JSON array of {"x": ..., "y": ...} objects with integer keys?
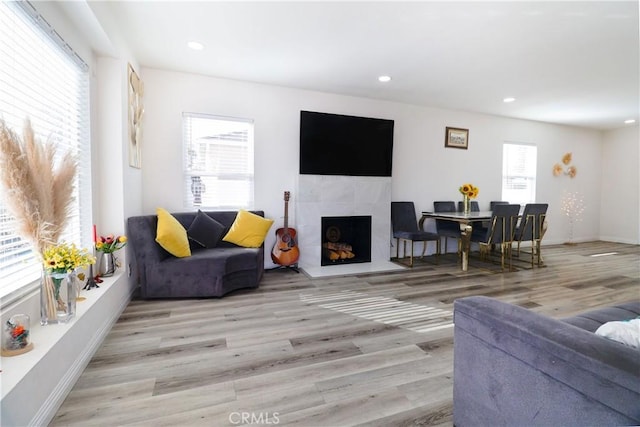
[{"x": 19, "y": 336}]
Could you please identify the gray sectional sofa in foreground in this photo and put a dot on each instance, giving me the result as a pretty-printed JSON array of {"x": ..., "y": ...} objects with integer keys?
[
  {"x": 514, "y": 367},
  {"x": 208, "y": 272}
]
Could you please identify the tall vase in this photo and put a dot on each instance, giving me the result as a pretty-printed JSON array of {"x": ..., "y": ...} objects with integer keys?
[
  {"x": 57, "y": 297},
  {"x": 466, "y": 204},
  {"x": 106, "y": 264}
]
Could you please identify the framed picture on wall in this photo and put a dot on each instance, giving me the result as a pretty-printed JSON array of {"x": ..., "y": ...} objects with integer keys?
[
  {"x": 457, "y": 138},
  {"x": 136, "y": 110}
]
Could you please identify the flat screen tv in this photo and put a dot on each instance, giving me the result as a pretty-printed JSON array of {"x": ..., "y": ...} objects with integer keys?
[{"x": 333, "y": 144}]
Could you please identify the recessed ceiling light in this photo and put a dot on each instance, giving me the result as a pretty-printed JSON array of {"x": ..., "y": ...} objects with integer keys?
[
  {"x": 384, "y": 79},
  {"x": 507, "y": 100},
  {"x": 629, "y": 121},
  {"x": 195, "y": 45}
]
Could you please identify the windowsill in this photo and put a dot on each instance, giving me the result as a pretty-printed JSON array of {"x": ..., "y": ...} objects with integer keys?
[{"x": 44, "y": 338}]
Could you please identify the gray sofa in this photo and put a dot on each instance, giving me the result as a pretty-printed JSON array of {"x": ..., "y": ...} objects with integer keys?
[
  {"x": 206, "y": 273},
  {"x": 515, "y": 367}
]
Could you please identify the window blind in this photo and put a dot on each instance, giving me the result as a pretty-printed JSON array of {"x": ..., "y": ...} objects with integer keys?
[
  {"x": 42, "y": 79},
  {"x": 519, "y": 173},
  {"x": 218, "y": 162}
]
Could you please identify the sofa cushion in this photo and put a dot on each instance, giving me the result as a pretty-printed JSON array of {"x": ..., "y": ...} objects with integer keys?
[
  {"x": 592, "y": 320},
  {"x": 205, "y": 230},
  {"x": 248, "y": 230},
  {"x": 208, "y": 272},
  {"x": 171, "y": 235}
]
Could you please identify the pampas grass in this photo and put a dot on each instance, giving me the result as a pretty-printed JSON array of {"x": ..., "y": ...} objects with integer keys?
[{"x": 39, "y": 191}]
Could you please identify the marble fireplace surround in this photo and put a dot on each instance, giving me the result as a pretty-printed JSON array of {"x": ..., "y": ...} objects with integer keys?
[{"x": 331, "y": 195}]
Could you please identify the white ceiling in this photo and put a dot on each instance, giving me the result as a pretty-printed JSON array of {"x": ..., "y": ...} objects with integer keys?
[{"x": 574, "y": 63}]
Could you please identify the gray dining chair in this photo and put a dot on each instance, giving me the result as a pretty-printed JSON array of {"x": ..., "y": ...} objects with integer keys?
[
  {"x": 404, "y": 225},
  {"x": 501, "y": 232},
  {"x": 491, "y": 205},
  {"x": 531, "y": 228},
  {"x": 444, "y": 228},
  {"x": 496, "y": 202}
]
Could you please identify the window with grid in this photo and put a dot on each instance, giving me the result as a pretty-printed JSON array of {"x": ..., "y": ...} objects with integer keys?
[
  {"x": 519, "y": 173},
  {"x": 43, "y": 79},
  {"x": 218, "y": 162}
]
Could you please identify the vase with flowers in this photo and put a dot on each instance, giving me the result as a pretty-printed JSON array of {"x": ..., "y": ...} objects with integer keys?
[
  {"x": 40, "y": 183},
  {"x": 107, "y": 245},
  {"x": 468, "y": 191},
  {"x": 58, "y": 284}
]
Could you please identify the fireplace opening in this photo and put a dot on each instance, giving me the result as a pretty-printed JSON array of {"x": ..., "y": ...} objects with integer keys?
[{"x": 345, "y": 240}]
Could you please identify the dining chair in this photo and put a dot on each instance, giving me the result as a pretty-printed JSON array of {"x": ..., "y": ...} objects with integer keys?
[
  {"x": 445, "y": 228},
  {"x": 531, "y": 228},
  {"x": 504, "y": 220},
  {"x": 475, "y": 207},
  {"x": 491, "y": 205},
  {"x": 496, "y": 202},
  {"x": 404, "y": 225}
]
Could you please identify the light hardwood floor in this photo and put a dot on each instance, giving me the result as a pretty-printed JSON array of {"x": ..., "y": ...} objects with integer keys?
[{"x": 371, "y": 350}]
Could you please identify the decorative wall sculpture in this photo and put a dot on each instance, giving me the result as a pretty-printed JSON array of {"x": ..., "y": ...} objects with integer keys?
[
  {"x": 136, "y": 90},
  {"x": 565, "y": 168}
]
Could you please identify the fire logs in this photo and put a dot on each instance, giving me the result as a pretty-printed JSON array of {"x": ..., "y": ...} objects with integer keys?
[{"x": 337, "y": 251}]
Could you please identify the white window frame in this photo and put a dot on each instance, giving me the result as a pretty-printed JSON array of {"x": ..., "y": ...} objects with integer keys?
[
  {"x": 218, "y": 162},
  {"x": 519, "y": 169},
  {"x": 42, "y": 78}
]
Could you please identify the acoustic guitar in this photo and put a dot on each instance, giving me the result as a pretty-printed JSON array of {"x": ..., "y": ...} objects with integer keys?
[{"x": 285, "y": 251}]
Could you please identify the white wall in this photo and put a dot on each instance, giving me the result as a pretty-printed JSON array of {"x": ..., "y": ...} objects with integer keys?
[
  {"x": 112, "y": 123},
  {"x": 423, "y": 170},
  {"x": 620, "y": 201}
]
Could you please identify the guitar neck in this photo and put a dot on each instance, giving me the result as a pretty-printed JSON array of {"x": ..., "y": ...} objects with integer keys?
[{"x": 286, "y": 215}]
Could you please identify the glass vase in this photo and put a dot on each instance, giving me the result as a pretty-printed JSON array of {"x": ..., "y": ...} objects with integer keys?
[
  {"x": 15, "y": 335},
  {"x": 466, "y": 204},
  {"x": 57, "y": 297}
]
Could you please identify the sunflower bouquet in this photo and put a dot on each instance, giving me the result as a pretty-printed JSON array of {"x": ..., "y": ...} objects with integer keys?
[{"x": 469, "y": 190}]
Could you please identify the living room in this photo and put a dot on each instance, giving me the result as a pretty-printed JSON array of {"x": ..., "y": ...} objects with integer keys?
[{"x": 424, "y": 170}]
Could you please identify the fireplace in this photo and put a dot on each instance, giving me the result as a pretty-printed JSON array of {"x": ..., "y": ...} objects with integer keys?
[
  {"x": 345, "y": 240},
  {"x": 329, "y": 196}
]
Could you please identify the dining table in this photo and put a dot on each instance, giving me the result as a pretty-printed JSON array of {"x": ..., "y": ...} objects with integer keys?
[{"x": 466, "y": 221}]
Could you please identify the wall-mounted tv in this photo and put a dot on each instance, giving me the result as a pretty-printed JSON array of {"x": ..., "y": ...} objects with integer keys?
[{"x": 334, "y": 144}]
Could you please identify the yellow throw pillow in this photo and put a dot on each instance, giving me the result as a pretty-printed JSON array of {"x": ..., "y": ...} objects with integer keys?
[
  {"x": 248, "y": 230},
  {"x": 171, "y": 235}
]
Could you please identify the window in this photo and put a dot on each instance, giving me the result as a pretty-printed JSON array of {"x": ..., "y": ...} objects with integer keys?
[
  {"x": 218, "y": 162},
  {"x": 519, "y": 173},
  {"x": 43, "y": 79}
]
